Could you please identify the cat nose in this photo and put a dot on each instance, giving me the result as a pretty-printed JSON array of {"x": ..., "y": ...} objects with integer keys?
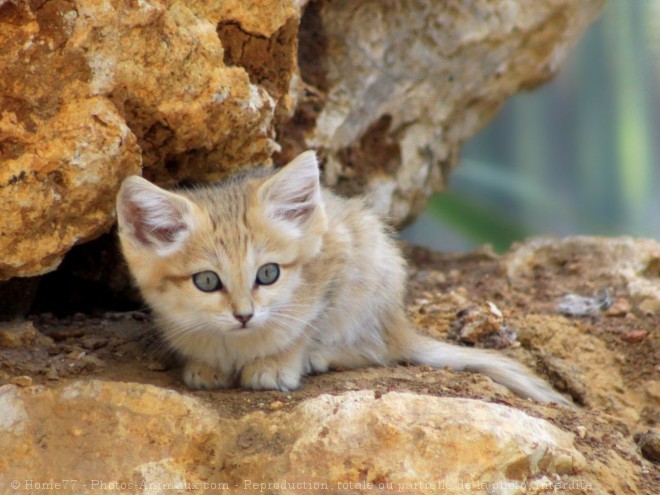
[{"x": 243, "y": 317}]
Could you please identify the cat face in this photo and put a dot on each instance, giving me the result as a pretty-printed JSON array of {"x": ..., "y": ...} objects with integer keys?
[{"x": 225, "y": 259}]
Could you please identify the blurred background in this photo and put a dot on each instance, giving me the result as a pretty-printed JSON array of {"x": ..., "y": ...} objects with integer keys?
[{"x": 579, "y": 155}]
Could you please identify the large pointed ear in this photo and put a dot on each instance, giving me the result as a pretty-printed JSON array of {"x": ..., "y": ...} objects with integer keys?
[
  {"x": 293, "y": 194},
  {"x": 153, "y": 218}
]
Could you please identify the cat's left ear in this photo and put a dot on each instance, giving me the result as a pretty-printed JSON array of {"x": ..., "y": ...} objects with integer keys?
[{"x": 293, "y": 194}]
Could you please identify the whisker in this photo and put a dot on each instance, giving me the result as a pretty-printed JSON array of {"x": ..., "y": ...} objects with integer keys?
[{"x": 283, "y": 316}]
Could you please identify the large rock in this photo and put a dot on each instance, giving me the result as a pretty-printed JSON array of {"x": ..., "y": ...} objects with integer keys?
[
  {"x": 398, "y": 86},
  {"x": 142, "y": 439},
  {"x": 632, "y": 262},
  {"x": 93, "y": 91}
]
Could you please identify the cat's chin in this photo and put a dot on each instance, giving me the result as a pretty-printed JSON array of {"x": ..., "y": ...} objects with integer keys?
[{"x": 241, "y": 329}]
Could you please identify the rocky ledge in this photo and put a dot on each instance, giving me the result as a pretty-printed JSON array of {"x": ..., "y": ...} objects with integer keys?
[{"x": 90, "y": 402}]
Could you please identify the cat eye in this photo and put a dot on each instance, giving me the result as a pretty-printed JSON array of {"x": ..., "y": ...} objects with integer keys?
[
  {"x": 207, "y": 281},
  {"x": 268, "y": 274}
]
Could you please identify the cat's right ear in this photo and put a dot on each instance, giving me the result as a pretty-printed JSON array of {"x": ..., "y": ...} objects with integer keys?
[
  {"x": 152, "y": 218},
  {"x": 293, "y": 194}
]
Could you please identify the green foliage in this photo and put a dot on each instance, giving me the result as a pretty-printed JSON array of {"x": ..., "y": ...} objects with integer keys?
[{"x": 476, "y": 222}]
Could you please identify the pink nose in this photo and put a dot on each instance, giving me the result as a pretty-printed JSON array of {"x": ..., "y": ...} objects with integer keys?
[{"x": 243, "y": 318}]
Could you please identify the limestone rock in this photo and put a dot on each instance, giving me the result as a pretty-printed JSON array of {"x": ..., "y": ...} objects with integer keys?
[
  {"x": 140, "y": 438},
  {"x": 58, "y": 179},
  {"x": 591, "y": 262},
  {"x": 398, "y": 86},
  {"x": 93, "y": 91},
  {"x": 649, "y": 445},
  {"x": 21, "y": 334}
]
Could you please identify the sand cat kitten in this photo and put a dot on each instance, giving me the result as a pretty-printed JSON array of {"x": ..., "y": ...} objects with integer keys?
[{"x": 266, "y": 277}]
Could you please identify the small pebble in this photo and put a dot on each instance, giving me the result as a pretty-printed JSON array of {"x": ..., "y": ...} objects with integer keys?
[
  {"x": 93, "y": 342},
  {"x": 52, "y": 374},
  {"x": 650, "y": 307},
  {"x": 155, "y": 365},
  {"x": 275, "y": 405},
  {"x": 21, "y": 381},
  {"x": 649, "y": 444},
  {"x": 90, "y": 363},
  {"x": 620, "y": 307},
  {"x": 577, "y": 305},
  {"x": 634, "y": 335},
  {"x": 484, "y": 325},
  {"x": 139, "y": 316},
  {"x": 16, "y": 335}
]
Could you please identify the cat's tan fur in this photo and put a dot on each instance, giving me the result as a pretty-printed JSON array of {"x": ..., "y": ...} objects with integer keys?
[{"x": 338, "y": 301}]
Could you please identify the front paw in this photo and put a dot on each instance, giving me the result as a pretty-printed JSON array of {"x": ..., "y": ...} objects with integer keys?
[
  {"x": 201, "y": 376},
  {"x": 260, "y": 376}
]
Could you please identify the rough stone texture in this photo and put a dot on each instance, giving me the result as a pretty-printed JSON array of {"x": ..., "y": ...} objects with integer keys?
[
  {"x": 58, "y": 190},
  {"x": 93, "y": 91},
  {"x": 144, "y": 439},
  {"x": 402, "y": 84},
  {"x": 612, "y": 261},
  {"x": 21, "y": 334},
  {"x": 93, "y": 398}
]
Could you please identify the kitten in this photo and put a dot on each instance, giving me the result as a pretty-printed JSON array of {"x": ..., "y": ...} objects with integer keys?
[{"x": 267, "y": 277}]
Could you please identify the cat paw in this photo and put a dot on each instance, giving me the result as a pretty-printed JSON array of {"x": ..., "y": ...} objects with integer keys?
[
  {"x": 256, "y": 376},
  {"x": 201, "y": 376},
  {"x": 315, "y": 363}
]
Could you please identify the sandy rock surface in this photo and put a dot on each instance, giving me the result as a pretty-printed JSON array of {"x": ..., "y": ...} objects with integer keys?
[
  {"x": 95, "y": 399},
  {"x": 93, "y": 91}
]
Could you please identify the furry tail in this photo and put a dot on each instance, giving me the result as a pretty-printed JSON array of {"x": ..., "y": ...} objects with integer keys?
[{"x": 425, "y": 350}]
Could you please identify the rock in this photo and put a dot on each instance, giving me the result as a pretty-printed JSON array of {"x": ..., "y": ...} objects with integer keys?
[
  {"x": 580, "y": 370},
  {"x": 649, "y": 445},
  {"x": 620, "y": 307},
  {"x": 65, "y": 161},
  {"x": 52, "y": 373},
  {"x": 577, "y": 305},
  {"x": 607, "y": 261},
  {"x": 22, "y": 334},
  {"x": 94, "y": 91},
  {"x": 21, "y": 381},
  {"x": 650, "y": 306},
  {"x": 141, "y": 434},
  {"x": 93, "y": 342},
  {"x": 634, "y": 335},
  {"x": 483, "y": 325},
  {"x": 393, "y": 89}
]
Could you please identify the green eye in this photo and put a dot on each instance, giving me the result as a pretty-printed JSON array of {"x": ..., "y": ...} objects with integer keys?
[
  {"x": 207, "y": 281},
  {"x": 268, "y": 274}
]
